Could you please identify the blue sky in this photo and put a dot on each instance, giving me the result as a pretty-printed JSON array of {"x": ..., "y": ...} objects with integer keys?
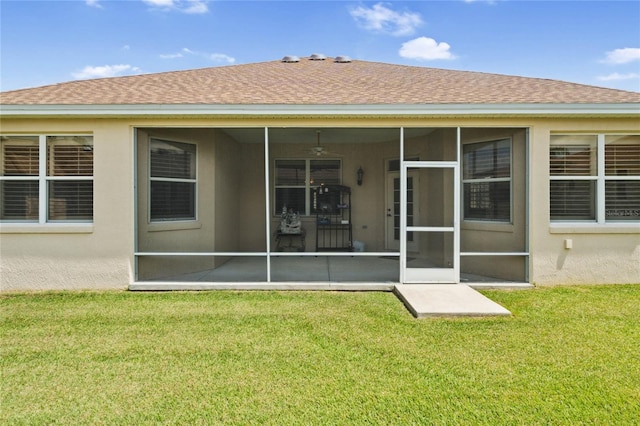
[{"x": 51, "y": 41}]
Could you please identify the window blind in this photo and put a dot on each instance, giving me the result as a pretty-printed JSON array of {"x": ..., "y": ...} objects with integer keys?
[
  {"x": 20, "y": 160},
  {"x": 173, "y": 160},
  {"x": 19, "y": 199},
  {"x": 622, "y": 160},
  {"x": 622, "y": 196},
  {"x": 487, "y": 160},
  {"x": 325, "y": 172},
  {"x": 487, "y": 180},
  {"x": 292, "y": 188},
  {"x": 70, "y": 160},
  {"x": 70, "y": 200},
  {"x": 290, "y": 172},
  {"x": 573, "y": 156},
  {"x": 172, "y": 180},
  {"x": 572, "y": 199},
  {"x": 172, "y": 200},
  {"x": 572, "y": 160}
]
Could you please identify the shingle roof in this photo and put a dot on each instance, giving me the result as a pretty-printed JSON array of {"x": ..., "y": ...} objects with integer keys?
[{"x": 317, "y": 83}]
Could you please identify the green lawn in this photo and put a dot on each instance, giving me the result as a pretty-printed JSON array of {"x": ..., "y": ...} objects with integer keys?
[{"x": 568, "y": 355}]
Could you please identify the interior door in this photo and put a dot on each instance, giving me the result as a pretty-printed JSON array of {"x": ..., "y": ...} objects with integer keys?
[
  {"x": 392, "y": 241},
  {"x": 434, "y": 226}
]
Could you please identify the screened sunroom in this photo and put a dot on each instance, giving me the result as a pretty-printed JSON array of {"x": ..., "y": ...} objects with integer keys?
[{"x": 338, "y": 206}]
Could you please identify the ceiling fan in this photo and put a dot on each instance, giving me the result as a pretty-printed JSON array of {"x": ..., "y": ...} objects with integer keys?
[{"x": 319, "y": 150}]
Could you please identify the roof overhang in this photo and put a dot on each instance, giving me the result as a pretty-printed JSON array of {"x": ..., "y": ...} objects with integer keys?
[{"x": 429, "y": 110}]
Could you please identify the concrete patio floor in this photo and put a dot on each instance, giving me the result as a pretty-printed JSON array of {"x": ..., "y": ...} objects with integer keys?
[
  {"x": 317, "y": 269},
  {"x": 342, "y": 274}
]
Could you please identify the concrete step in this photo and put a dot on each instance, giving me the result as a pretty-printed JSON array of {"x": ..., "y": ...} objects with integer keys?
[{"x": 444, "y": 300}]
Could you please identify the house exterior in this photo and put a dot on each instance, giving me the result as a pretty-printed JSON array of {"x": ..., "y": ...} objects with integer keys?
[{"x": 394, "y": 175}]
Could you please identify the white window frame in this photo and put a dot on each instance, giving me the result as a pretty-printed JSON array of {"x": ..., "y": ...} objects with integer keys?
[
  {"x": 164, "y": 179},
  {"x": 600, "y": 178},
  {"x": 307, "y": 183},
  {"x": 43, "y": 184}
]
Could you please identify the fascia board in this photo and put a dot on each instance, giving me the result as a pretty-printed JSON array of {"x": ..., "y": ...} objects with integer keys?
[{"x": 327, "y": 110}]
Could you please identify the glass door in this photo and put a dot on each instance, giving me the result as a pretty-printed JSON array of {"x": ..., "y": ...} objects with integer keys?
[{"x": 392, "y": 241}]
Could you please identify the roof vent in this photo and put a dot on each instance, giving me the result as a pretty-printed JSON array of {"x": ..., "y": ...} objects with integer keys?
[
  {"x": 317, "y": 57},
  {"x": 290, "y": 58},
  {"x": 342, "y": 59}
]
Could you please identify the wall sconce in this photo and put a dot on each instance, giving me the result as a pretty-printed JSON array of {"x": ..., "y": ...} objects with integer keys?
[{"x": 360, "y": 174}]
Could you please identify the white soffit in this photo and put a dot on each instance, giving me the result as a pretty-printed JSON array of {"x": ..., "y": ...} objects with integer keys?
[{"x": 629, "y": 109}]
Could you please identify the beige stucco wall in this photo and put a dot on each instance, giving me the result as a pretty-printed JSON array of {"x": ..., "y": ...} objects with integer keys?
[
  {"x": 600, "y": 254},
  {"x": 249, "y": 224},
  {"x": 94, "y": 256},
  {"x": 100, "y": 255}
]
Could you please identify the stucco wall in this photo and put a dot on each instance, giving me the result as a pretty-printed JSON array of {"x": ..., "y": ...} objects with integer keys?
[
  {"x": 608, "y": 254},
  {"x": 227, "y": 168},
  {"x": 250, "y": 214},
  {"x": 92, "y": 256}
]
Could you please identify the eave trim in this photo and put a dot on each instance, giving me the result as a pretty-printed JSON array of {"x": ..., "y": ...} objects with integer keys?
[{"x": 322, "y": 110}]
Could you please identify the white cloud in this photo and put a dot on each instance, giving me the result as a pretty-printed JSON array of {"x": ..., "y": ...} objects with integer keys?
[
  {"x": 616, "y": 76},
  {"x": 425, "y": 49},
  {"x": 94, "y": 3},
  {"x": 171, "y": 55},
  {"x": 159, "y": 3},
  {"x": 214, "y": 57},
  {"x": 184, "y": 6},
  {"x": 380, "y": 18},
  {"x": 221, "y": 57},
  {"x": 105, "y": 71},
  {"x": 196, "y": 7},
  {"x": 622, "y": 56}
]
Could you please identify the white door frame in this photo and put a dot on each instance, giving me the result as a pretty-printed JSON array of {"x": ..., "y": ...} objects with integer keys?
[
  {"x": 430, "y": 275},
  {"x": 390, "y": 243}
]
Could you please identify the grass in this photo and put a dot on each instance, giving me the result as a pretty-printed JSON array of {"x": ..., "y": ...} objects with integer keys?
[{"x": 569, "y": 355}]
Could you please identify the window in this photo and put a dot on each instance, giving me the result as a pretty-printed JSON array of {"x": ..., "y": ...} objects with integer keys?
[
  {"x": 46, "y": 179},
  {"x": 622, "y": 178},
  {"x": 172, "y": 181},
  {"x": 294, "y": 180},
  {"x": 573, "y": 170},
  {"x": 486, "y": 181},
  {"x": 595, "y": 178}
]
